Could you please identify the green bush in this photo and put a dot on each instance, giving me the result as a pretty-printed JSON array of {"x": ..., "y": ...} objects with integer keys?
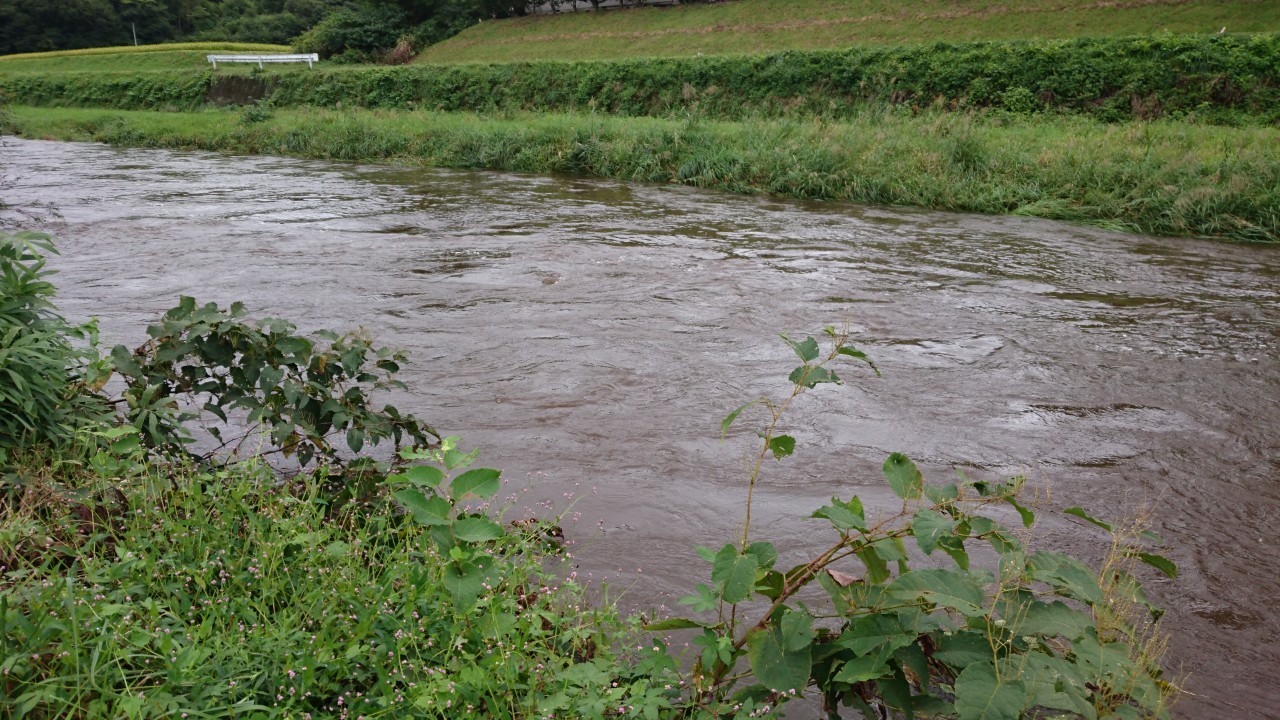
[
  {"x": 354, "y": 35},
  {"x": 1040, "y": 633}
]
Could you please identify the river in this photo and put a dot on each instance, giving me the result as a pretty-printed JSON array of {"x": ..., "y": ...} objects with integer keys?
[{"x": 589, "y": 335}]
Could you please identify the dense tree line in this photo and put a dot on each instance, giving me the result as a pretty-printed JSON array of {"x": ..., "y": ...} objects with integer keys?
[
  {"x": 35, "y": 25},
  {"x": 358, "y": 30}
]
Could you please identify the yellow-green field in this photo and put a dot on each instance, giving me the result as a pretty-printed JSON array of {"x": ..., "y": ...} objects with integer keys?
[
  {"x": 756, "y": 26},
  {"x": 174, "y": 56}
]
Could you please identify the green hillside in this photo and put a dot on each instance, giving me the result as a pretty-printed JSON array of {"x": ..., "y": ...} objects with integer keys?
[{"x": 757, "y": 26}]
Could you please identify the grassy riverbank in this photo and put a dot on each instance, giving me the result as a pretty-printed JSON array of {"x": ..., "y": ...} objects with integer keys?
[
  {"x": 1162, "y": 177},
  {"x": 756, "y": 26},
  {"x": 1224, "y": 79}
]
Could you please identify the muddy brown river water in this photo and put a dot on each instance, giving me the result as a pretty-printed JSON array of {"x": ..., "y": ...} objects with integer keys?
[{"x": 589, "y": 336}]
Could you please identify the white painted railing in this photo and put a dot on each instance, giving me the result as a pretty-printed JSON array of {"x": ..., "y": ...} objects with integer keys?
[{"x": 308, "y": 59}]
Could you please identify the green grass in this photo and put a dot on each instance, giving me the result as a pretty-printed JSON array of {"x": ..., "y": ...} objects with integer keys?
[
  {"x": 1163, "y": 177},
  {"x": 241, "y": 594},
  {"x": 756, "y": 26},
  {"x": 1225, "y": 79}
]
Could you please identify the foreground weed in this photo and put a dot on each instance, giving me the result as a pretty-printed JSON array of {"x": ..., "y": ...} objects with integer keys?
[{"x": 231, "y": 594}]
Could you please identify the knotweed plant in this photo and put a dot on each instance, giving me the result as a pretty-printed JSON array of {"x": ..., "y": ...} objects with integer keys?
[{"x": 903, "y": 634}]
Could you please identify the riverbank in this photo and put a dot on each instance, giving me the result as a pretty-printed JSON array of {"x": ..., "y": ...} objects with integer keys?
[
  {"x": 1217, "y": 79},
  {"x": 1162, "y": 178}
]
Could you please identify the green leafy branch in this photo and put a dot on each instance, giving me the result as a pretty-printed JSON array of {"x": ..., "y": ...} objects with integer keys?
[
  {"x": 909, "y": 636},
  {"x": 300, "y": 392}
]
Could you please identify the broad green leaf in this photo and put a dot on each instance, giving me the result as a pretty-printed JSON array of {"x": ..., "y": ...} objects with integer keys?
[
  {"x": 424, "y": 475},
  {"x": 904, "y": 477},
  {"x": 797, "y": 630},
  {"x": 427, "y": 511},
  {"x": 497, "y": 624},
  {"x": 811, "y": 377},
  {"x": 981, "y": 695},
  {"x": 866, "y": 667},
  {"x": 963, "y": 648},
  {"x": 1066, "y": 575},
  {"x": 728, "y": 420},
  {"x": 1028, "y": 517},
  {"x": 806, "y": 349},
  {"x": 476, "y": 529},
  {"x": 764, "y": 553},
  {"x": 843, "y": 516},
  {"x": 871, "y": 632},
  {"x": 1048, "y": 619},
  {"x": 782, "y": 446},
  {"x": 355, "y": 439},
  {"x": 1052, "y": 682},
  {"x": 911, "y": 657},
  {"x": 947, "y": 588},
  {"x": 770, "y": 584},
  {"x": 735, "y": 573},
  {"x": 675, "y": 624},
  {"x": 855, "y": 353},
  {"x": 895, "y": 691},
  {"x": 1101, "y": 659},
  {"x": 1159, "y": 562},
  {"x": 877, "y": 568},
  {"x": 704, "y": 600},
  {"x": 942, "y": 495},
  {"x": 466, "y": 581},
  {"x": 930, "y": 526},
  {"x": 774, "y": 666},
  {"x": 954, "y": 547},
  {"x": 1080, "y": 513},
  {"x": 891, "y": 549},
  {"x": 480, "y": 482},
  {"x": 455, "y": 459},
  {"x": 932, "y": 706}
]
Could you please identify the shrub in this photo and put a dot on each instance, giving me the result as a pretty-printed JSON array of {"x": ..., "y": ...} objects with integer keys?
[
  {"x": 1036, "y": 634},
  {"x": 354, "y": 35}
]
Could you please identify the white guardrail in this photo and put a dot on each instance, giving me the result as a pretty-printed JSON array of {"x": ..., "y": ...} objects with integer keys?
[{"x": 308, "y": 59}]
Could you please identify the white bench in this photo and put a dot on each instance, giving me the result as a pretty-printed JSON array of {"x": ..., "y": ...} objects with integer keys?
[{"x": 308, "y": 59}]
